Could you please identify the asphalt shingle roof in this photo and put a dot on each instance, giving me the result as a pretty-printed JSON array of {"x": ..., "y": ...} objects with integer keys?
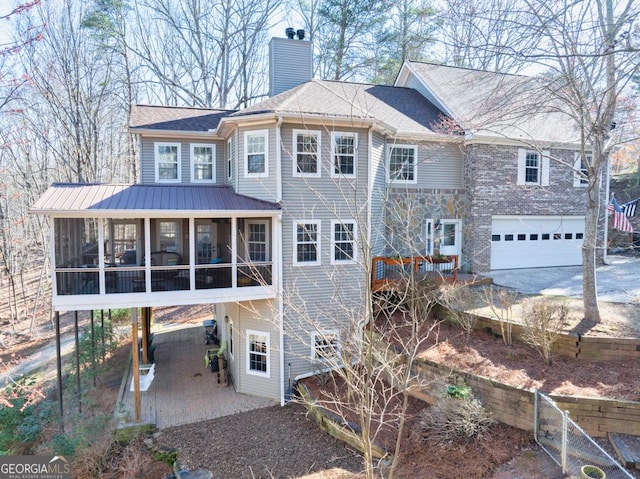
[
  {"x": 175, "y": 118},
  {"x": 497, "y": 104},
  {"x": 402, "y": 109}
]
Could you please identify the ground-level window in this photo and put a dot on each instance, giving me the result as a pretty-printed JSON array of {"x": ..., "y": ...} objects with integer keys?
[
  {"x": 258, "y": 353},
  {"x": 325, "y": 345},
  {"x": 307, "y": 242},
  {"x": 344, "y": 243}
]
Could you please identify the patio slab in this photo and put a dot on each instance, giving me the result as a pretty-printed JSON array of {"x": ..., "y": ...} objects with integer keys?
[{"x": 184, "y": 391}]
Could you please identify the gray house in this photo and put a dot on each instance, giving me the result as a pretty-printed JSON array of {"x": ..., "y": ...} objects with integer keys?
[{"x": 274, "y": 213}]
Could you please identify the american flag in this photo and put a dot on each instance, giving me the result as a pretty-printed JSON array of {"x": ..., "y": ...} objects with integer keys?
[{"x": 620, "y": 221}]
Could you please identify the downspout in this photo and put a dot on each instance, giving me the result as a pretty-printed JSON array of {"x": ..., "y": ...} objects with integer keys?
[
  {"x": 607, "y": 188},
  {"x": 279, "y": 285},
  {"x": 278, "y": 161}
]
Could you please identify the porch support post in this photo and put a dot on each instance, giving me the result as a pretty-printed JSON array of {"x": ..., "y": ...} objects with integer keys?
[
  {"x": 93, "y": 348},
  {"x": 77, "y": 338},
  {"x": 234, "y": 252},
  {"x": 102, "y": 332},
  {"x": 135, "y": 363},
  {"x": 145, "y": 336},
  {"x": 59, "y": 371}
]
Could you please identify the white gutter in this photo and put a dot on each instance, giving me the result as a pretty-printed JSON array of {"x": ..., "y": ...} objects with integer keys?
[{"x": 278, "y": 161}]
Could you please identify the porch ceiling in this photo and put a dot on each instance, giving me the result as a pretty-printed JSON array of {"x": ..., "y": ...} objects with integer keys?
[{"x": 144, "y": 200}]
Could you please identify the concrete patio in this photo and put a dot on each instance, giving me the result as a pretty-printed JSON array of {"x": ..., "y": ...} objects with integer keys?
[{"x": 184, "y": 391}]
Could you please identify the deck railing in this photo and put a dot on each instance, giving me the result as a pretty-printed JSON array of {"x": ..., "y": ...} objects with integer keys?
[
  {"x": 132, "y": 279},
  {"x": 386, "y": 271}
]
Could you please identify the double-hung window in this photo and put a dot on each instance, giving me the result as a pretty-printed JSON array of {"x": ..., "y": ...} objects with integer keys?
[
  {"x": 343, "y": 241},
  {"x": 230, "y": 158},
  {"x": 581, "y": 173},
  {"x": 403, "y": 164},
  {"x": 256, "y": 146},
  {"x": 167, "y": 162},
  {"x": 258, "y": 353},
  {"x": 325, "y": 345},
  {"x": 533, "y": 167},
  {"x": 344, "y": 146},
  {"x": 307, "y": 242},
  {"x": 203, "y": 163},
  {"x": 306, "y": 148}
]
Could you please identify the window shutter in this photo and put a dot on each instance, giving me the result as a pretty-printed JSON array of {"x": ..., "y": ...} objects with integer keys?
[
  {"x": 522, "y": 158},
  {"x": 576, "y": 169},
  {"x": 544, "y": 180}
]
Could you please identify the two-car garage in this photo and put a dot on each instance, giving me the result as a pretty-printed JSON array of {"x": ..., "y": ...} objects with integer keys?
[{"x": 536, "y": 241}]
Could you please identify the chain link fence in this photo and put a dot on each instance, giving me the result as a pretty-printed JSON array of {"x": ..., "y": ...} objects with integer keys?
[{"x": 569, "y": 446}]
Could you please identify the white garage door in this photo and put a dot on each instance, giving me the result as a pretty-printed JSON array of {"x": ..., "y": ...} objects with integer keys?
[{"x": 536, "y": 241}]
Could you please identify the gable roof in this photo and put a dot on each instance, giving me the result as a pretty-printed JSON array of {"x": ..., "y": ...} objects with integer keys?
[
  {"x": 401, "y": 110},
  {"x": 101, "y": 199},
  {"x": 493, "y": 104},
  {"x": 147, "y": 117}
]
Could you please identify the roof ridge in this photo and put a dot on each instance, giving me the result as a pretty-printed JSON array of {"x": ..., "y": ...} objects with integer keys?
[{"x": 453, "y": 67}]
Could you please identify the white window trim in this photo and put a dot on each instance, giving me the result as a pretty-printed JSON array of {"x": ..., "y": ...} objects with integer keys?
[
  {"x": 159, "y": 235},
  {"x": 415, "y": 165},
  {"x": 193, "y": 162},
  {"x": 295, "y": 243},
  {"x": 333, "y": 242},
  {"x": 265, "y": 134},
  {"x": 353, "y": 134},
  {"x": 457, "y": 238},
  {"x": 158, "y": 144},
  {"x": 325, "y": 334},
  {"x": 543, "y": 168},
  {"x": 230, "y": 158},
  {"x": 249, "y": 333},
  {"x": 429, "y": 237},
  {"x": 577, "y": 170},
  {"x": 318, "y": 136}
]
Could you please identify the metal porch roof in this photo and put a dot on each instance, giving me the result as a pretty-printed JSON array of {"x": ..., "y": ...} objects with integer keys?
[{"x": 102, "y": 198}]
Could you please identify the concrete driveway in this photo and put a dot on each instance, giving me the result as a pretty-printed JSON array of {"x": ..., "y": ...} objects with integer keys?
[{"x": 617, "y": 282}]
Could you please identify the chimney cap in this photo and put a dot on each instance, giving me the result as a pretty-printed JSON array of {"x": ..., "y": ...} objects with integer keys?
[
  {"x": 290, "y": 32},
  {"x": 300, "y": 34}
]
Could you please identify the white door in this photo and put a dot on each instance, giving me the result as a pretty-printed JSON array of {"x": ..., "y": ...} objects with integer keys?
[
  {"x": 536, "y": 241},
  {"x": 450, "y": 237}
]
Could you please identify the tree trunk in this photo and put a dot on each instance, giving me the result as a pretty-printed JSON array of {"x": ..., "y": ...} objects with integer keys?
[{"x": 589, "y": 285}]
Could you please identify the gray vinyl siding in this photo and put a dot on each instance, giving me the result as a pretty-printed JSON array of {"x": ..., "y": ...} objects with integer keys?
[
  {"x": 256, "y": 316},
  {"x": 264, "y": 187},
  {"x": 325, "y": 296},
  {"x": 147, "y": 159},
  {"x": 440, "y": 165},
  {"x": 378, "y": 239},
  {"x": 415, "y": 83},
  {"x": 289, "y": 64}
]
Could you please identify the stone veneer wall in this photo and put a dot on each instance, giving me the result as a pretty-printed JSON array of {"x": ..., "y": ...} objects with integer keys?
[
  {"x": 491, "y": 173},
  {"x": 408, "y": 209}
]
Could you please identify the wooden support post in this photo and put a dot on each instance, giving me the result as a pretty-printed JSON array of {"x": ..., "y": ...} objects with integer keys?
[
  {"x": 78, "y": 386},
  {"x": 59, "y": 370},
  {"x": 135, "y": 363}
]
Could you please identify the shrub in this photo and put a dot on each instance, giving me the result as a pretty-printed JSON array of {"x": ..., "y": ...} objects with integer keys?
[
  {"x": 543, "y": 322},
  {"x": 460, "y": 300},
  {"x": 456, "y": 417},
  {"x": 21, "y": 415}
]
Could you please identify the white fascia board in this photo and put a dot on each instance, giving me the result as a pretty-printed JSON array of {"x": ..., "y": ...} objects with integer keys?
[
  {"x": 181, "y": 134},
  {"x": 476, "y": 139}
]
